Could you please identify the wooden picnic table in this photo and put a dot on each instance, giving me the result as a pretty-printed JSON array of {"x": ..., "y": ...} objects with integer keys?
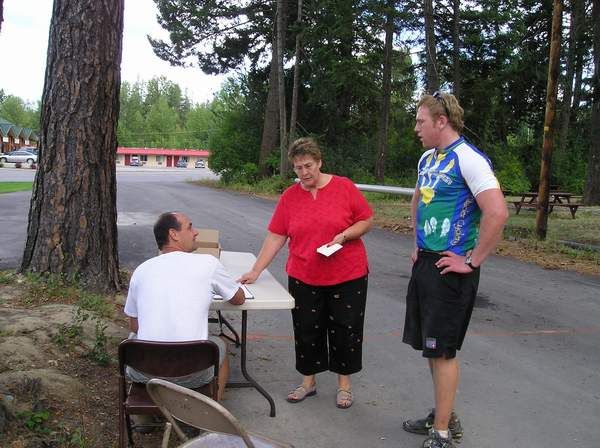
[{"x": 556, "y": 199}]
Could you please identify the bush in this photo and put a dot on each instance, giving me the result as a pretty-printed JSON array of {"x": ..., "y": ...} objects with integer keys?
[{"x": 18, "y": 165}]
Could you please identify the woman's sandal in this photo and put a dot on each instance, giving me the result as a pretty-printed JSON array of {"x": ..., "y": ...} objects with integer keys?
[
  {"x": 300, "y": 393},
  {"x": 343, "y": 399}
]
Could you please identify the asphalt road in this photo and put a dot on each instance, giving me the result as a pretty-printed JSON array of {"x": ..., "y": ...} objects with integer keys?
[{"x": 530, "y": 363}]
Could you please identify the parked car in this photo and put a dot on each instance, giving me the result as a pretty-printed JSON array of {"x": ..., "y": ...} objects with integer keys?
[
  {"x": 200, "y": 164},
  {"x": 20, "y": 155},
  {"x": 135, "y": 162},
  {"x": 181, "y": 163}
]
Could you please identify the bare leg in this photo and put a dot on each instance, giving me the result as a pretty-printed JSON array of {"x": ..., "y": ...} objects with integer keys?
[
  {"x": 308, "y": 381},
  {"x": 445, "y": 374},
  {"x": 344, "y": 382},
  {"x": 223, "y": 372}
]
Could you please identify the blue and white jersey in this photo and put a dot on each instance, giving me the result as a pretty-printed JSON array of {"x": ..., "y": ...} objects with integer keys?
[{"x": 448, "y": 181}]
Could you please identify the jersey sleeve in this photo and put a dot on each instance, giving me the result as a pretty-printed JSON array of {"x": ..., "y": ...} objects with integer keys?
[
  {"x": 279, "y": 221},
  {"x": 222, "y": 283},
  {"x": 131, "y": 302},
  {"x": 477, "y": 171}
]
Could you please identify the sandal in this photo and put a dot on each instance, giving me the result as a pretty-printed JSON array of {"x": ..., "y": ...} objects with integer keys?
[
  {"x": 344, "y": 399},
  {"x": 300, "y": 393}
]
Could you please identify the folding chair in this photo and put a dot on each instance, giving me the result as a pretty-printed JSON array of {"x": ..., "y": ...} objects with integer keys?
[
  {"x": 159, "y": 359},
  {"x": 199, "y": 411}
]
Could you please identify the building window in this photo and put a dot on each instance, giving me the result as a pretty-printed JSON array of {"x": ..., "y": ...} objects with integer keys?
[
  {"x": 159, "y": 160},
  {"x": 144, "y": 158}
]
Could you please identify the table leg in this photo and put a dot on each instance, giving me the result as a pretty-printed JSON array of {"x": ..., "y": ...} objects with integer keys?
[{"x": 251, "y": 382}]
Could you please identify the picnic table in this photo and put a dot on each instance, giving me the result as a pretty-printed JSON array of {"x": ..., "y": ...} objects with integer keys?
[{"x": 556, "y": 199}]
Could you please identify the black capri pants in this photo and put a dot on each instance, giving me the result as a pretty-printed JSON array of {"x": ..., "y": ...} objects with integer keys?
[{"x": 328, "y": 326}]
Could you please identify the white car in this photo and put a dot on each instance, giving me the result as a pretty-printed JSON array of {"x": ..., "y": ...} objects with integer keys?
[
  {"x": 200, "y": 164},
  {"x": 20, "y": 155}
]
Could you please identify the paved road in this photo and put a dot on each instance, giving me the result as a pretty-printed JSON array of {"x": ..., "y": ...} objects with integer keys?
[{"x": 531, "y": 363}]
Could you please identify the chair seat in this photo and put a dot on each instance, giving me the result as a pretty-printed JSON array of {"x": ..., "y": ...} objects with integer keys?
[
  {"x": 211, "y": 440},
  {"x": 139, "y": 402}
]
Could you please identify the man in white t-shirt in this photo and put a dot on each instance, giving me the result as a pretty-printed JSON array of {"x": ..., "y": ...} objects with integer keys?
[{"x": 170, "y": 295}]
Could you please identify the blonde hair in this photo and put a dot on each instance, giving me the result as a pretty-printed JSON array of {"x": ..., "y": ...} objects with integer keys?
[
  {"x": 444, "y": 104},
  {"x": 304, "y": 146}
]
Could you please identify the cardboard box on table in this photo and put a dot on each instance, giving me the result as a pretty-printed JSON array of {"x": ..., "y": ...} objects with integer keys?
[{"x": 207, "y": 242}]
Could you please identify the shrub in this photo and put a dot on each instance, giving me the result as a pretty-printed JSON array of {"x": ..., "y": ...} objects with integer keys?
[{"x": 18, "y": 165}]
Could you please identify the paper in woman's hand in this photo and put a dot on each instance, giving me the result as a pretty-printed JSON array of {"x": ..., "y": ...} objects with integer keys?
[{"x": 328, "y": 250}]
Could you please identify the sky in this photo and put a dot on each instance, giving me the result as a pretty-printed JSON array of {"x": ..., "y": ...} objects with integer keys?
[{"x": 24, "y": 42}]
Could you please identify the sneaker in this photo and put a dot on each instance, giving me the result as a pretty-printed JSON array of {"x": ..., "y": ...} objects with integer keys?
[
  {"x": 423, "y": 425},
  {"x": 435, "y": 440}
]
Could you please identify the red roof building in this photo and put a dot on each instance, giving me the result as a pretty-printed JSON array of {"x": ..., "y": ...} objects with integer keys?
[{"x": 161, "y": 157}]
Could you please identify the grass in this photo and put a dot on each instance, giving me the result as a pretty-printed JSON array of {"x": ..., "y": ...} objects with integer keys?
[
  {"x": 393, "y": 212},
  {"x": 11, "y": 187}
]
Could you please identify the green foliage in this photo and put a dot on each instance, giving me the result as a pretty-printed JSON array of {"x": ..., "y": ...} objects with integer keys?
[
  {"x": 35, "y": 421},
  {"x": 7, "y": 277},
  {"x": 19, "y": 112},
  {"x": 99, "y": 353}
]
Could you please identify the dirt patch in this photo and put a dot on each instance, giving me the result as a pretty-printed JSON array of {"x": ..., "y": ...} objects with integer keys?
[{"x": 52, "y": 392}]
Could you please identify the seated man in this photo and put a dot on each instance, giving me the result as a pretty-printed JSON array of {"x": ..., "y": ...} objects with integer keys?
[{"x": 170, "y": 295}]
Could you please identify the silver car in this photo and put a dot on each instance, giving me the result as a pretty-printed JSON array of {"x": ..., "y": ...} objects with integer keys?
[{"x": 20, "y": 155}]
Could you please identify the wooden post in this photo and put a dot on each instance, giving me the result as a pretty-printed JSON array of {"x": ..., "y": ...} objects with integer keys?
[{"x": 541, "y": 219}]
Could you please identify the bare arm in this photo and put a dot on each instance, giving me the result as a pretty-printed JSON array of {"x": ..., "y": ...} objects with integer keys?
[
  {"x": 133, "y": 324},
  {"x": 238, "y": 298},
  {"x": 272, "y": 244},
  {"x": 354, "y": 232},
  {"x": 493, "y": 217}
]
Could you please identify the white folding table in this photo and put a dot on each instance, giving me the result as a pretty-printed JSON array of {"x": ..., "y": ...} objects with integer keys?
[{"x": 268, "y": 294}]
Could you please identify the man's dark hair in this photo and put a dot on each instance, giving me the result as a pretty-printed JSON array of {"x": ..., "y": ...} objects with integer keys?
[{"x": 165, "y": 222}]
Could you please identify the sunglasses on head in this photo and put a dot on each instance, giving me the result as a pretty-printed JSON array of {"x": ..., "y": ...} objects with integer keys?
[{"x": 439, "y": 96}]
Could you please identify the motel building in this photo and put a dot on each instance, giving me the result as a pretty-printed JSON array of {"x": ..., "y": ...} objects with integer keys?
[{"x": 161, "y": 157}]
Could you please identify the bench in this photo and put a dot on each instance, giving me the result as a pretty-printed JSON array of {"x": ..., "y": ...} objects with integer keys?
[
  {"x": 572, "y": 208},
  {"x": 533, "y": 206}
]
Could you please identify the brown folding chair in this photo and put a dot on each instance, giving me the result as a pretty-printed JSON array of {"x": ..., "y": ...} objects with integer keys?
[
  {"x": 199, "y": 411},
  {"x": 159, "y": 359}
]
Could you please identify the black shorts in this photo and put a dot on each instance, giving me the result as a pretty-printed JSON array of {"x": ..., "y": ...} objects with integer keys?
[{"x": 438, "y": 307}]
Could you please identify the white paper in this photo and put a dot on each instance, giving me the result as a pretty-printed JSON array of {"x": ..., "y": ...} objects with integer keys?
[{"x": 328, "y": 250}]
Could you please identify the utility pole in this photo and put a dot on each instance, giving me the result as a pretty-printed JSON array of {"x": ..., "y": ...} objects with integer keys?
[{"x": 541, "y": 218}]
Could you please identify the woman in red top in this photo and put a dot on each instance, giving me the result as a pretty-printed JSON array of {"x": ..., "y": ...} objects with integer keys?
[{"x": 330, "y": 292}]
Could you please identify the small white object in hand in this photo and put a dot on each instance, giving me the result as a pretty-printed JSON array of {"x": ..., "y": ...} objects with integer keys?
[{"x": 328, "y": 250}]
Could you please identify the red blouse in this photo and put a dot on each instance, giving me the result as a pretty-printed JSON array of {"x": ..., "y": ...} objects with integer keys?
[{"x": 311, "y": 222}]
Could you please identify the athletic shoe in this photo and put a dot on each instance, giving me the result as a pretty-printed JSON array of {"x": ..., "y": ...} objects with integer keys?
[
  {"x": 423, "y": 425},
  {"x": 435, "y": 440}
]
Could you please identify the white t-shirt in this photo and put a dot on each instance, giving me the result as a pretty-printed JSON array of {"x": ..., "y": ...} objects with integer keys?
[{"x": 171, "y": 294}]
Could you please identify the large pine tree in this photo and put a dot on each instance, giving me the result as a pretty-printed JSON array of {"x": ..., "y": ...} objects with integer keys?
[{"x": 72, "y": 227}]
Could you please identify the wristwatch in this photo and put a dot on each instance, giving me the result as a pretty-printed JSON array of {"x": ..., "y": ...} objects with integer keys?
[{"x": 470, "y": 264}]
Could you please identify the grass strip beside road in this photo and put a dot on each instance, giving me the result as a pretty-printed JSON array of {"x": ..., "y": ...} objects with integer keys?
[
  {"x": 11, "y": 187},
  {"x": 392, "y": 212}
]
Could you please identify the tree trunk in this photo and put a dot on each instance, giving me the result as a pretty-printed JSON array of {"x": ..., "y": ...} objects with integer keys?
[
  {"x": 581, "y": 47},
  {"x": 591, "y": 194},
  {"x": 568, "y": 84},
  {"x": 384, "y": 123},
  {"x": 432, "y": 82},
  {"x": 281, "y": 26},
  {"x": 72, "y": 228},
  {"x": 541, "y": 220},
  {"x": 270, "y": 133},
  {"x": 1, "y": 13},
  {"x": 456, "y": 48},
  {"x": 296, "y": 87}
]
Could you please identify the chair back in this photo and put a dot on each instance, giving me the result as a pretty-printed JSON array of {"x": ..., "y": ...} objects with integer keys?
[
  {"x": 162, "y": 359},
  {"x": 194, "y": 409},
  {"x": 168, "y": 359}
]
